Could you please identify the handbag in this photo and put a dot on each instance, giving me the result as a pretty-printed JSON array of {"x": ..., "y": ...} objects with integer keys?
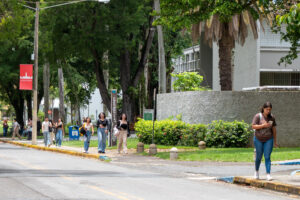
[{"x": 116, "y": 131}]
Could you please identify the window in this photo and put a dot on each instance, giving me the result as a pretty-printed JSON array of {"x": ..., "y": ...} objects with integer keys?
[{"x": 280, "y": 78}]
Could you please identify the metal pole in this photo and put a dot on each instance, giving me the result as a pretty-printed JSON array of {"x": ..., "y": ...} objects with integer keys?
[
  {"x": 154, "y": 98},
  {"x": 35, "y": 76}
]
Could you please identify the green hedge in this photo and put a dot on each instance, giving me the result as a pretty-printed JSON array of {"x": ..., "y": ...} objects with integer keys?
[
  {"x": 172, "y": 132},
  {"x": 228, "y": 134}
]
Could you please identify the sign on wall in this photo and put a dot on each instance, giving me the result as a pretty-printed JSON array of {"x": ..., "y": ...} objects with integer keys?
[
  {"x": 26, "y": 76},
  {"x": 148, "y": 114}
]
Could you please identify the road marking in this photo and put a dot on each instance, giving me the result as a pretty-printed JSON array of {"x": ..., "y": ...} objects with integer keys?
[
  {"x": 202, "y": 178},
  {"x": 107, "y": 192}
]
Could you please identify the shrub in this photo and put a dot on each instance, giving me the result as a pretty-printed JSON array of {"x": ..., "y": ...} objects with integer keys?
[
  {"x": 170, "y": 132},
  {"x": 228, "y": 134}
]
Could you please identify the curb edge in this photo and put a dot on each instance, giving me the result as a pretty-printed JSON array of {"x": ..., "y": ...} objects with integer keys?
[
  {"x": 271, "y": 185},
  {"x": 63, "y": 151}
]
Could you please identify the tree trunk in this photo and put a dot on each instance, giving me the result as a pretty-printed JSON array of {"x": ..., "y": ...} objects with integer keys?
[
  {"x": 29, "y": 105},
  {"x": 125, "y": 83},
  {"x": 46, "y": 81},
  {"x": 100, "y": 79},
  {"x": 226, "y": 44},
  {"x": 161, "y": 55},
  {"x": 61, "y": 94}
]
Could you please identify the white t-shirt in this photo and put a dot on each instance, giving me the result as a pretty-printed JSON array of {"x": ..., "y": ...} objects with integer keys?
[
  {"x": 16, "y": 124},
  {"x": 88, "y": 126},
  {"x": 45, "y": 126}
]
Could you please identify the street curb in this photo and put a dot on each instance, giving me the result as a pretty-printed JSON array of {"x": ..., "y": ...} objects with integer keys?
[
  {"x": 64, "y": 151},
  {"x": 271, "y": 185}
]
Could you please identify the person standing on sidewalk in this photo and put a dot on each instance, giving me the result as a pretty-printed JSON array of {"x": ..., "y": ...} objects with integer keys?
[
  {"x": 5, "y": 127},
  {"x": 16, "y": 130},
  {"x": 88, "y": 126},
  {"x": 46, "y": 125},
  {"x": 102, "y": 131},
  {"x": 59, "y": 132},
  {"x": 123, "y": 127},
  {"x": 265, "y": 137}
]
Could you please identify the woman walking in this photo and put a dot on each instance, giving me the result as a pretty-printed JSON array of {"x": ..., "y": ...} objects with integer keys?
[
  {"x": 102, "y": 131},
  {"x": 88, "y": 126},
  {"x": 5, "y": 127},
  {"x": 265, "y": 136},
  {"x": 59, "y": 132},
  {"x": 123, "y": 126},
  {"x": 46, "y": 126}
]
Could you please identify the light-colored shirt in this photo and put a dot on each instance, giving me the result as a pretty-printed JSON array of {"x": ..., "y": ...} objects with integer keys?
[
  {"x": 88, "y": 126},
  {"x": 45, "y": 126},
  {"x": 16, "y": 124}
]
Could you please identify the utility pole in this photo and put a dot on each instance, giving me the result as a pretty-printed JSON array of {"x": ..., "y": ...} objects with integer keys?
[
  {"x": 161, "y": 54},
  {"x": 46, "y": 80},
  {"x": 35, "y": 76},
  {"x": 61, "y": 94}
]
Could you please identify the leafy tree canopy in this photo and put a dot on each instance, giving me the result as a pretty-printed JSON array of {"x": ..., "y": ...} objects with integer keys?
[{"x": 291, "y": 19}]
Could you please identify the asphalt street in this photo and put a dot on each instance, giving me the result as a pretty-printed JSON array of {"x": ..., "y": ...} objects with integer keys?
[{"x": 32, "y": 174}]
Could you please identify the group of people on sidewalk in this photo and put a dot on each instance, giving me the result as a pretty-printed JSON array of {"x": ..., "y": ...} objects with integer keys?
[
  {"x": 103, "y": 127},
  {"x": 53, "y": 130}
]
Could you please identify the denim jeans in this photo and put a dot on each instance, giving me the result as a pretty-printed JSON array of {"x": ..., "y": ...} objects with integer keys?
[
  {"x": 101, "y": 139},
  {"x": 86, "y": 139},
  {"x": 266, "y": 149},
  {"x": 59, "y": 137},
  {"x": 5, "y": 132},
  {"x": 46, "y": 138}
]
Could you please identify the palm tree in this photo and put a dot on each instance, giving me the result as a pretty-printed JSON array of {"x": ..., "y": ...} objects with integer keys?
[
  {"x": 226, "y": 34},
  {"x": 222, "y": 21}
]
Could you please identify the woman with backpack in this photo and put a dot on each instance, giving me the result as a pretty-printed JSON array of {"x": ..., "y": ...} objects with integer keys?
[
  {"x": 89, "y": 131},
  {"x": 265, "y": 137}
]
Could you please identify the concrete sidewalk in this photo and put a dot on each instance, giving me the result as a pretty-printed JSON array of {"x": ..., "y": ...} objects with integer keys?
[{"x": 239, "y": 173}]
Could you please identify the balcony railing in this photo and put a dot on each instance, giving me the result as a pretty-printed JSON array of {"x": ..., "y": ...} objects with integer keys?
[{"x": 189, "y": 66}]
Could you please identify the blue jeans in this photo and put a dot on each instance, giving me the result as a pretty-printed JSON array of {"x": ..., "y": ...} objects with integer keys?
[
  {"x": 5, "y": 131},
  {"x": 46, "y": 138},
  {"x": 266, "y": 149},
  {"x": 86, "y": 139},
  {"x": 101, "y": 139},
  {"x": 59, "y": 137}
]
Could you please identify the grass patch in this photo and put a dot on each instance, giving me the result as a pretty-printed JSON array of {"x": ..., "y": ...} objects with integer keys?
[{"x": 233, "y": 154}]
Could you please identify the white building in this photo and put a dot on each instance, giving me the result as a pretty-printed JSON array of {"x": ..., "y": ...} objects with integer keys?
[{"x": 255, "y": 63}]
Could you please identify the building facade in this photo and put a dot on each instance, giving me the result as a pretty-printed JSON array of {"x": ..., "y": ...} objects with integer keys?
[{"x": 255, "y": 63}]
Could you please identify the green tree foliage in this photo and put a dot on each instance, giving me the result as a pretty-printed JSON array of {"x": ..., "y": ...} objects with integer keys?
[
  {"x": 291, "y": 19},
  {"x": 16, "y": 46},
  {"x": 188, "y": 81}
]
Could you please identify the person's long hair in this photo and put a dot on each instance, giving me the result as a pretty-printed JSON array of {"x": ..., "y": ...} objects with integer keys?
[
  {"x": 122, "y": 116},
  {"x": 102, "y": 113},
  {"x": 266, "y": 105}
]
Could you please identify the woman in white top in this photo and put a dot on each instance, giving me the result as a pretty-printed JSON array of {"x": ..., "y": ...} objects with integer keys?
[
  {"x": 88, "y": 126},
  {"x": 45, "y": 129}
]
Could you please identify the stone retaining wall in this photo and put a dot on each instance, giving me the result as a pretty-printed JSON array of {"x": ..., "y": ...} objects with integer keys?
[{"x": 205, "y": 106}]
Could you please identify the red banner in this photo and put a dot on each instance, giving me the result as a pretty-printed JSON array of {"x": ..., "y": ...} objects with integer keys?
[{"x": 26, "y": 77}]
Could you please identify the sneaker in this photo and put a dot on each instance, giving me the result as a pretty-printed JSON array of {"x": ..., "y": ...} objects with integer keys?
[
  {"x": 256, "y": 175},
  {"x": 269, "y": 178}
]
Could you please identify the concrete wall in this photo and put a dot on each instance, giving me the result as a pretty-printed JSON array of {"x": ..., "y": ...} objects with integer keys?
[{"x": 203, "y": 107}]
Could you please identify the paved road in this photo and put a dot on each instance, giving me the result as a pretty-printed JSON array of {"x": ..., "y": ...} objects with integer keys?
[{"x": 31, "y": 174}]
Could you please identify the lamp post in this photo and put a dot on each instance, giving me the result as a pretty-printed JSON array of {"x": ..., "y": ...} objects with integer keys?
[{"x": 36, "y": 53}]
